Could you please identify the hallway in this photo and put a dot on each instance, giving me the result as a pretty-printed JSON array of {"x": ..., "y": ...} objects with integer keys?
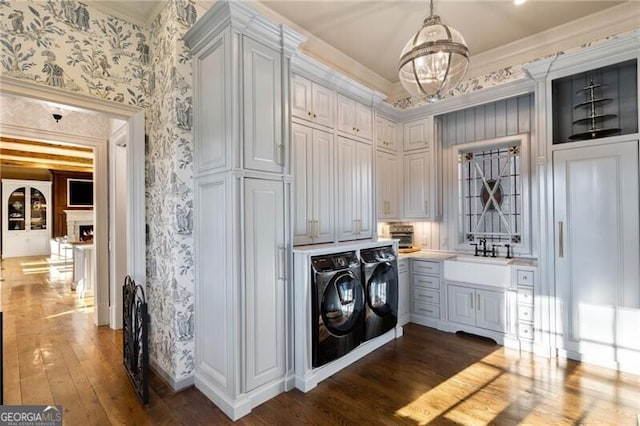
[{"x": 54, "y": 355}]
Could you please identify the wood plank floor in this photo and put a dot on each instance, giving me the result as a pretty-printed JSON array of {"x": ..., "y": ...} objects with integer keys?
[{"x": 54, "y": 355}]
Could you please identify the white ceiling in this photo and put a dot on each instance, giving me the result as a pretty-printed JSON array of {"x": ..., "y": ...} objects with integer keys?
[{"x": 374, "y": 33}]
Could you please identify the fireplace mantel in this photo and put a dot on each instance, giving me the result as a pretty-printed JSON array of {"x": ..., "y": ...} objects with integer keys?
[{"x": 75, "y": 218}]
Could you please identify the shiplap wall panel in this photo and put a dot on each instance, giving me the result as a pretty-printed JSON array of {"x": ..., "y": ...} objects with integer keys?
[{"x": 507, "y": 117}]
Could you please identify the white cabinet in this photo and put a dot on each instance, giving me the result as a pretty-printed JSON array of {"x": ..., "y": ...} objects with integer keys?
[
  {"x": 312, "y": 102},
  {"x": 387, "y": 137},
  {"x": 354, "y": 118},
  {"x": 26, "y": 218},
  {"x": 264, "y": 281},
  {"x": 387, "y": 186},
  {"x": 477, "y": 307},
  {"x": 425, "y": 291},
  {"x": 404, "y": 292},
  {"x": 312, "y": 169},
  {"x": 354, "y": 189},
  {"x": 262, "y": 117},
  {"x": 418, "y": 134},
  {"x": 240, "y": 208},
  {"x": 418, "y": 181},
  {"x": 596, "y": 224}
]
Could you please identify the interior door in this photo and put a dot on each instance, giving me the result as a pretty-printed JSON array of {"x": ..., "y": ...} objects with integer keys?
[{"x": 597, "y": 251}]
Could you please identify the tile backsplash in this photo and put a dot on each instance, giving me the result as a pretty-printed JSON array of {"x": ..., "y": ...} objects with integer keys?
[{"x": 426, "y": 235}]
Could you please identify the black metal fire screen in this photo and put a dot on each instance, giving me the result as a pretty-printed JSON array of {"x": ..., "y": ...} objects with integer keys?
[{"x": 135, "y": 327}]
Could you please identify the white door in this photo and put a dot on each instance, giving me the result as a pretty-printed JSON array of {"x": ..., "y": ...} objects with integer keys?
[
  {"x": 262, "y": 117},
  {"x": 322, "y": 182},
  {"x": 346, "y": 115},
  {"x": 417, "y": 183},
  {"x": 364, "y": 189},
  {"x": 491, "y": 310},
  {"x": 323, "y": 101},
  {"x": 264, "y": 281},
  {"x": 364, "y": 121},
  {"x": 301, "y": 97},
  {"x": 597, "y": 252},
  {"x": 461, "y": 305},
  {"x": 388, "y": 190},
  {"x": 346, "y": 189},
  {"x": 302, "y": 144}
]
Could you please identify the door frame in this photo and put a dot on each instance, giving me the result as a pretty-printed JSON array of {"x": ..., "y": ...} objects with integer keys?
[{"x": 136, "y": 247}]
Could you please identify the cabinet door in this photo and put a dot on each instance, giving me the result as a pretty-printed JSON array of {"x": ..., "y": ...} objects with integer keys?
[
  {"x": 324, "y": 101},
  {"x": 364, "y": 190},
  {"x": 385, "y": 134},
  {"x": 264, "y": 281},
  {"x": 263, "y": 149},
  {"x": 364, "y": 121},
  {"x": 346, "y": 189},
  {"x": 323, "y": 187},
  {"x": 302, "y": 145},
  {"x": 418, "y": 134},
  {"x": 301, "y": 105},
  {"x": 597, "y": 250},
  {"x": 388, "y": 190},
  {"x": 461, "y": 305},
  {"x": 417, "y": 185},
  {"x": 353, "y": 189},
  {"x": 346, "y": 115},
  {"x": 491, "y": 310}
]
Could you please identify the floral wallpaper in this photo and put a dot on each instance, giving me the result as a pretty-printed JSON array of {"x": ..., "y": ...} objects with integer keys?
[
  {"x": 169, "y": 192},
  {"x": 68, "y": 45},
  {"x": 71, "y": 46}
]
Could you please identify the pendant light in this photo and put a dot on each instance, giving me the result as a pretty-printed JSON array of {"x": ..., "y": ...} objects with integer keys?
[{"x": 434, "y": 61}]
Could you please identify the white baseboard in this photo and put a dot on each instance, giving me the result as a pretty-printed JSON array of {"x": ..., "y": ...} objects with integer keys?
[{"x": 175, "y": 385}]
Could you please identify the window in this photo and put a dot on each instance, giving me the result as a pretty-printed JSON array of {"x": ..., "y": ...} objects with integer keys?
[{"x": 491, "y": 198}]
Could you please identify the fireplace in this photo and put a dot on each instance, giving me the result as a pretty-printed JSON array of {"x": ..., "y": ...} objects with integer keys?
[
  {"x": 85, "y": 232},
  {"x": 77, "y": 219}
]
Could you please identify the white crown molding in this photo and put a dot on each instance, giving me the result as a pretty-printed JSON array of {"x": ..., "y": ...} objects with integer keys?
[
  {"x": 614, "y": 20},
  {"x": 144, "y": 22},
  {"x": 37, "y": 135},
  {"x": 29, "y": 89}
]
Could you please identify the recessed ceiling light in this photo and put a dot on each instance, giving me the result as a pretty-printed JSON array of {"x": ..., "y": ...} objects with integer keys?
[{"x": 518, "y": 2}]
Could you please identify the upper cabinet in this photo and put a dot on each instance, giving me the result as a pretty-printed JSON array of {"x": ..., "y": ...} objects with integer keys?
[
  {"x": 418, "y": 134},
  {"x": 262, "y": 82},
  {"x": 354, "y": 118},
  {"x": 312, "y": 102},
  {"x": 387, "y": 137},
  {"x": 262, "y": 140},
  {"x": 388, "y": 186}
]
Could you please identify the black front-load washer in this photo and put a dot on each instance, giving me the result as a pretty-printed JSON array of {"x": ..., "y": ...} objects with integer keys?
[
  {"x": 380, "y": 282},
  {"x": 337, "y": 306}
]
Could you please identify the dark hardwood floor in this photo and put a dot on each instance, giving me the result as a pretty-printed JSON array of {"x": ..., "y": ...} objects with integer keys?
[{"x": 54, "y": 355}]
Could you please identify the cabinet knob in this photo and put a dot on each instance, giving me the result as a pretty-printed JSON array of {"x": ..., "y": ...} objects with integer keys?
[
  {"x": 309, "y": 112},
  {"x": 314, "y": 116},
  {"x": 353, "y": 128}
]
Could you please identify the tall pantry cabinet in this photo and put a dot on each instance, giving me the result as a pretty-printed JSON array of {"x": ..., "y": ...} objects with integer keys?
[{"x": 241, "y": 206}]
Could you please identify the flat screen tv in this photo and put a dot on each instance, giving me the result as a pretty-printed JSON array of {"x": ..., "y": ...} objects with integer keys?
[{"x": 79, "y": 193}]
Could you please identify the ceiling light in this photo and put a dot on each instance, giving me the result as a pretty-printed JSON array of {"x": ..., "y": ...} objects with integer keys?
[
  {"x": 518, "y": 2},
  {"x": 57, "y": 117},
  {"x": 434, "y": 61}
]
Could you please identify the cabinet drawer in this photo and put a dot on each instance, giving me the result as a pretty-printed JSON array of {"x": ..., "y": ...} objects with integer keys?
[
  {"x": 525, "y": 296},
  {"x": 426, "y": 281},
  {"x": 525, "y": 313},
  {"x": 432, "y": 311},
  {"x": 429, "y": 296},
  {"x": 525, "y": 277},
  {"x": 426, "y": 267},
  {"x": 525, "y": 331}
]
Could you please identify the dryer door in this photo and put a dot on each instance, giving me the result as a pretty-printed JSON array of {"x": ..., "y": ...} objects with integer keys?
[
  {"x": 342, "y": 303},
  {"x": 382, "y": 289}
]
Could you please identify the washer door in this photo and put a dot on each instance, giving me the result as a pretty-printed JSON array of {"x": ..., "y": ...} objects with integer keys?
[
  {"x": 382, "y": 290},
  {"x": 342, "y": 303}
]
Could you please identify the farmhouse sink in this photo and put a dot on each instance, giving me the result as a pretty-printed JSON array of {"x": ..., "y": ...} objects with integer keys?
[{"x": 490, "y": 271}]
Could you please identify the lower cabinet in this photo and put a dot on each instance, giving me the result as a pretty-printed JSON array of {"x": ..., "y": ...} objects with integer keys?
[
  {"x": 404, "y": 292},
  {"x": 477, "y": 307},
  {"x": 425, "y": 292}
]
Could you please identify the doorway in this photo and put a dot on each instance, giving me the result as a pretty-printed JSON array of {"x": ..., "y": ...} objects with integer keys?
[{"x": 108, "y": 308}]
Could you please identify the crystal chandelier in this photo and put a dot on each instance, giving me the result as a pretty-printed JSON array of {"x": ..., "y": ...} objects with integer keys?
[{"x": 434, "y": 61}]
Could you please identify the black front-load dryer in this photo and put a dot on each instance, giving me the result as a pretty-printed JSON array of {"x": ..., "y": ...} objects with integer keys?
[
  {"x": 380, "y": 278},
  {"x": 337, "y": 306}
]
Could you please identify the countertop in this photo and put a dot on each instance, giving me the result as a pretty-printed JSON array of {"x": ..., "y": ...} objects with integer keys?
[{"x": 444, "y": 255}]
